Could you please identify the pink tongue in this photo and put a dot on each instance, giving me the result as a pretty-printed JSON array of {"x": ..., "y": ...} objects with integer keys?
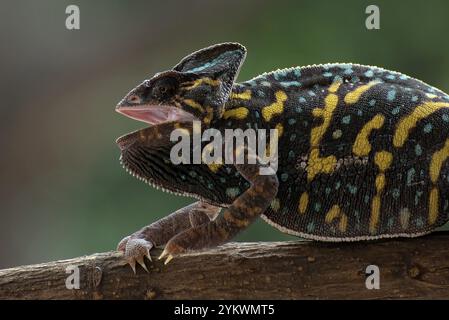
[{"x": 148, "y": 115}]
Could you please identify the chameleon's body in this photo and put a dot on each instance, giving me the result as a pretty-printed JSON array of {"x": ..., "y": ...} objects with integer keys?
[{"x": 362, "y": 151}]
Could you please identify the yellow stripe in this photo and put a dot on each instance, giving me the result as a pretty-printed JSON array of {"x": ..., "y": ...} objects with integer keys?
[
  {"x": 433, "y": 205},
  {"x": 409, "y": 122},
  {"x": 193, "y": 104},
  {"x": 200, "y": 81},
  {"x": 354, "y": 96},
  {"x": 383, "y": 160},
  {"x": 362, "y": 146},
  {"x": 275, "y": 108},
  {"x": 237, "y": 113},
  {"x": 303, "y": 202},
  {"x": 375, "y": 213},
  {"x": 243, "y": 96},
  {"x": 437, "y": 162}
]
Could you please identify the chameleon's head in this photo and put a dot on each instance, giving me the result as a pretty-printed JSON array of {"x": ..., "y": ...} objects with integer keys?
[{"x": 196, "y": 88}]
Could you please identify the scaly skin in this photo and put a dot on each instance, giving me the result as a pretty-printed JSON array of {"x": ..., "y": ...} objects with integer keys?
[{"x": 362, "y": 151}]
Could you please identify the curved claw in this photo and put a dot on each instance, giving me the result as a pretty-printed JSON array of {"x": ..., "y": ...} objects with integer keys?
[
  {"x": 165, "y": 253},
  {"x": 142, "y": 263},
  {"x": 132, "y": 263}
]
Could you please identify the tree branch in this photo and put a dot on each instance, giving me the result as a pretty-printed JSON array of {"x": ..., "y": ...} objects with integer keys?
[{"x": 409, "y": 268}]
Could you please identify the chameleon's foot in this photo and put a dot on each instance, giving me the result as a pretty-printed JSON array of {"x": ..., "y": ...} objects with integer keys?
[{"x": 135, "y": 250}]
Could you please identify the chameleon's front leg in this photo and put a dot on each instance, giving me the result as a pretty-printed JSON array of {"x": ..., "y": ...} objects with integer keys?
[
  {"x": 244, "y": 210},
  {"x": 138, "y": 245}
]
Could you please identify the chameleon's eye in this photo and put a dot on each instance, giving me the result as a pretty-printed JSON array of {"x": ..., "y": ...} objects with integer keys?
[
  {"x": 164, "y": 88},
  {"x": 134, "y": 99}
]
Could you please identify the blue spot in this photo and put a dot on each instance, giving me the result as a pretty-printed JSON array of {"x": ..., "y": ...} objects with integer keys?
[
  {"x": 337, "y": 185},
  {"x": 317, "y": 206},
  {"x": 266, "y": 83},
  {"x": 403, "y": 77},
  {"x": 348, "y": 71},
  {"x": 298, "y": 109},
  {"x": 293, "y": 137},
  {"x": 359, "y": 112},
  {"x": 327, "y": 190},
  {"x": 302, "y": 100},
  {"x": 310, "y": 227},
  {"x": 395, "y": 193},
  {"x": 372, "y": 103},
  {"x": 192, "y": 174},
  {"x": 183, "y": 177},
  {"x": 390, "y": 222},
  {"x": 222, "y": 179},
  {"x": 410, "y": 175},
  {"x": 305, "y": 123},
  {"x": 311, "y": 93},
  {"x": 369, "y": 73},
  {"x": 346, "y": 119},
  {"x": 280, "y": 74},
  {"x": 391, "y": 95},
  {"x": 284, "y": 177},
  {"x": 396, "y": 110},
  {"x": 415, "y": 98},
  {"x": 328, "y": 74},
  {"x": 291, "y": 121},
  {"x": 419, "y": 222},
  {"x": 210, "y": 185},
  {"x": 417, "y": 196},
  {"x": 366, "y": 199},
  {"x": 291, "y": 154},
  {"x": 228, "y": 170},
  {"x": 297, "y": 73},
  {"x": 290, "y": 83},
  {"x": 445, "y": 117},
  {"x": 352, "y": 189},
  {"x": 391, "y": 77},
  {"x": 418, "y": 149},
  {"x": 257, "y": 114},
  {"x": 232, "y": 192},
  {"x": 261, "y": 93},
  {"x": 428, "y": 128}
]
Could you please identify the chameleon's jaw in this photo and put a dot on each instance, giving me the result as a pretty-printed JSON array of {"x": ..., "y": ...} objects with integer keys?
[{"x": 155, "y": 114}]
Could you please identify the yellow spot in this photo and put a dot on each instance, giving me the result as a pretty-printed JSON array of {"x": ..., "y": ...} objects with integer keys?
[
  {"x": 433, "y": 205},
  {"x": 354, "y": 96},
  {"x": 303, "y": 202},
  {"x": 243, "y": 96},
  {"x": 334, "y": 213},
  {"x": 275, "y": 205},
  {"x": 275, "y": 108},
  {"x": 362, "y": 146},
  {"x": 383, "y": 160},
  {"x": 343, "y": 223},
  {"x": 280, "y": 129},
  {"x": 200, "y": 81},
  {"x": 210, "y": 115},
  {"x": 437, "y": 161},
  {"x": 214, "y": 166},
  {"x": 375, "y": 213},
  {"x": 316, "y": 164},
  {"x": 194, "y": 104},
  {"x": 409, "y": 122},
  {"x": 238, "y": 113}
]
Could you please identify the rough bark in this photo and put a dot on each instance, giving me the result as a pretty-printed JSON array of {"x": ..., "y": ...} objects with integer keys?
[{"x": 409, "y": 268}]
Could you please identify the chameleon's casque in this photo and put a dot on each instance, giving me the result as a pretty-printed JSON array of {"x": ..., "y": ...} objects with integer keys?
[{"x": 362, "y": 150}]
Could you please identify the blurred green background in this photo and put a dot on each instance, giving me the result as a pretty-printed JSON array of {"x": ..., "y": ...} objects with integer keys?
[{"x": 62, "y": 190}]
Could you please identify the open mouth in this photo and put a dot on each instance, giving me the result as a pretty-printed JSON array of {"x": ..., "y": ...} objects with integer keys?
[{"x": 155, "y": 114}]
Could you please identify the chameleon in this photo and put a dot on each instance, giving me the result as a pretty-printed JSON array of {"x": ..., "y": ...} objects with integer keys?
[{"x": 362, "y": 152}]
